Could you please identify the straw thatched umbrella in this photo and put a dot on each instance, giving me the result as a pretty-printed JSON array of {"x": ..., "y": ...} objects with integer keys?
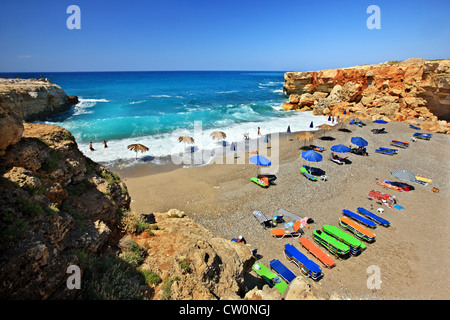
[
  {"x": 137, "y": 147},
  {"x": 305, "y": 136},
  {"x": 219, "y": 135},
  {"x": 186, "y": 139},
  {"x": 325, "y": 127}
]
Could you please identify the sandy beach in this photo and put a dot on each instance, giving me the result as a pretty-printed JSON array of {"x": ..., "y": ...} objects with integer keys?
[{"x": 412, "y": 254}]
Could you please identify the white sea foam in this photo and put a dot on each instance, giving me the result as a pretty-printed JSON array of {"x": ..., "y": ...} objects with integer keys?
[
  {"x": 166, "y": 144},
  {"x": 138, "y": 102},
  {"x": 84, "y": 104}
]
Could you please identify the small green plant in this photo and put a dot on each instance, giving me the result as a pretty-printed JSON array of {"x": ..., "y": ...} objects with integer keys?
[
  {"x": 28, "y": 207},
  {"x": 151, "y": 278},
  {"x": 167, "y": 284},
  {"x": 134, "y": 255},
  {"x": 185, "y": 264}
]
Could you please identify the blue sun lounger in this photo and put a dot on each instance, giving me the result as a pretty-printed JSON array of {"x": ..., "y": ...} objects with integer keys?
[
  {"x": 262, "y": 219},
  {"x": 373, "y": 217},
  {"x": 401, "y": 144},
  {"x": 425, "y": 136},
  {"x": 282, "y": 270},
  {"x": 358, "y": 218},
  {"x": 386, "y": 151},
  {"x": 307, "y": 267},
  {"x": 414, "y": 127}
]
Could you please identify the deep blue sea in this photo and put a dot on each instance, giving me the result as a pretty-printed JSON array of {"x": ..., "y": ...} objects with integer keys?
[{"x": 155, "y": 108}]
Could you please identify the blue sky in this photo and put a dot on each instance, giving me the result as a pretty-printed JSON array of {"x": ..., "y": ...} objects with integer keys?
[{"x": 282, "y": 35}]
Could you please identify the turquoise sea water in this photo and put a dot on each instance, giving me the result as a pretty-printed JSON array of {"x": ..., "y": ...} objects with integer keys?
[{"x": 154, "y": 108}]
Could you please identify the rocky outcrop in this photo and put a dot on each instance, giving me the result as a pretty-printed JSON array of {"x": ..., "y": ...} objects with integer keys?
[
  {"x": 205, "y": 267},
  {"x": 416, "y": 91},
  {"x": 33, "y": 99},
  {"x": 54, "y": 202}
]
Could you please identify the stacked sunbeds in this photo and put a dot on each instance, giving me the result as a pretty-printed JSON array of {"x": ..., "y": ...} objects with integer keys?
[
  {"x": 400, "y": 144},
  {"x": 424, "y": 136},
  {"x": 307, "y": 267}
]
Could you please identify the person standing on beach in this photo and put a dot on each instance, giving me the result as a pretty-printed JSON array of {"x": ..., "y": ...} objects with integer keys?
[
  {"x": 90, "y": 146},
  {"x": 104, "y": 143},
  {"x": 259, "y": 131}
]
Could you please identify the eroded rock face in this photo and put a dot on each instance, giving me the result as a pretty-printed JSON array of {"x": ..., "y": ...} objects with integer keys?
[
  {"x": 416, "y": 91},
  {"x": 54, "y": 202},
  {"x": 33, "y": 99},
  {"x": 206, "y": 267}
]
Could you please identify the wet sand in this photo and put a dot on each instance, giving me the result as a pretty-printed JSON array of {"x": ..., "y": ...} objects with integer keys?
[{"x": 412, "y": 254}]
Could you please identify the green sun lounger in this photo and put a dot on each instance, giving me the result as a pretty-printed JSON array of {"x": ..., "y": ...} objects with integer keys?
[
  {"x": 307, "y": 174},
  {"x": 259, "y": 183},
  {"x": 356, "y": 246},
  {"x": 271, "y": 278},
  {"x": 339, "y": 249}
]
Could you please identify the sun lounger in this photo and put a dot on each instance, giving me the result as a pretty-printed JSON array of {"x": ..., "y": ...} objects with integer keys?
[
  {"x": 319, "y": 254},
  {"x": 383, "y": 198},
  {"x": 420, "y": 178},
  {"x": 337, "y": 159},
  {"x": 424, "y": 136},
  {"x": 290, "y": 231},
  {"x": 289, "y": 214},
  {"x": 353, "y": 121},
  {"x": 359, "y": 219},
  {"x": 373, "y": 217},
  {"x": 271, "y": 278},
  {"x": 282, "y": 270},
  {"x": 316, "y": 148},
  {"x": 260, "y": 182},
  {"x": 262, "y": 219},
  {"x": 388, "y": 149},
  {"x": 388, "y": 184},
  {"x": 356, "y": 246},
  {"x": 307, "y": 174},
  {"x": 339, "y": 249},
  {"x": 400, "y": 144},
  {"x": 414, "y": 127},
  {"x": 359, "y": 151},
  {"x": 307, "y": 267},
  {"x": 356, "y": 229},
  {"x": 383, "y": 151},
  {"x": 314, "y": 171},
  {"x": 377, "y": 131},
  {"x": 269, "y": 176}
]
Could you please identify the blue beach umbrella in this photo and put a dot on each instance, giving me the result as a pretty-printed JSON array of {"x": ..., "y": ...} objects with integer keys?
[
  {"x": 233, "y": 147},
  {"x": 311, "y": 156},
  {"x": 329, "y": 118},
  {"x": 340, "y": 148},
  {"x": 260, "y": 161},
  {"x": 380, "y": 121},
  {"x": 311, "y": 125},
  {"x": 289, "y": 129},
  {"x": 360, "y": 142}
]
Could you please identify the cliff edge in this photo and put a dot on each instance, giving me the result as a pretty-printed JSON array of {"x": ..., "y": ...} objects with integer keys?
[
  {"x": 416, "y": 91},
  {"x": 34, "y": 99}
]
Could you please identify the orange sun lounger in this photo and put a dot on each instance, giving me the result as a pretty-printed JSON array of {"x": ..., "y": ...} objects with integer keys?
[
  {"x": 293, "y": 231},
  {"x": 319, "y": 254},
  {"x": 358, "y": 230}
]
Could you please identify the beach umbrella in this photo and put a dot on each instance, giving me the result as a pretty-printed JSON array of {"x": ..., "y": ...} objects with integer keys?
[
  {"x": 233, "y": 147},
  {"x": 312, "y": 156},
  {"x": 340, "y": 148},
  {"x": 186, "y": 139},
  {"x": 380, "y": 121},
  {"x": 311, "y": 125},
  {"x": 329, "y": 118},
  {"x": 137, "y": 147},
  {"x": 305, "y": 136},
  {"x": 219, "y": 135},
  {"x": 260, "y": 161},
  {"x": 403, "y": 175},
  {"x": 289, "y": 129},
  {"x": 359, "y": 141}
]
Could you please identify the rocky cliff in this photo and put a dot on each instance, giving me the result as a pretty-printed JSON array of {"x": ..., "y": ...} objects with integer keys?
[
  {"x": 415, "y": 90},
  {"x": 58, "y": 208},
  {"x": 34, "y": 99}
]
